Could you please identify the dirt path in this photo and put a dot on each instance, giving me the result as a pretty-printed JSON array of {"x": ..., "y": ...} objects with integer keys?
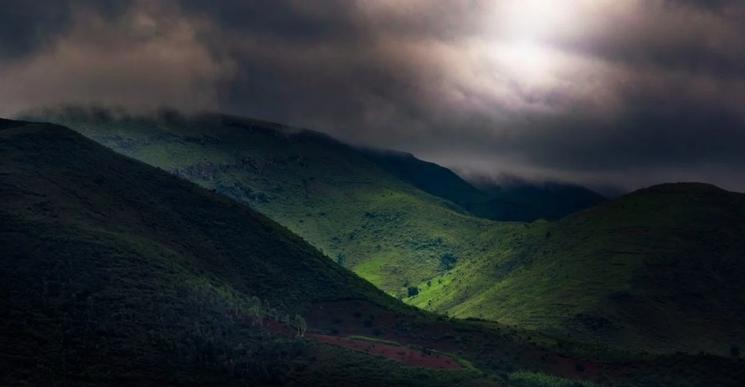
[
  {"x": 410, "y": 356},
  {"x": 402, "y": 354}
]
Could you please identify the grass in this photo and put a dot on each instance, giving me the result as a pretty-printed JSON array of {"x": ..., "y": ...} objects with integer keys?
[
  {"x": 374, "y": 340},
  {"x": 332, "y": 195},
  {"x": 536, "y": 379},
  {"x": 655, "y": 271},
  {"x": 114, "y": 272}
]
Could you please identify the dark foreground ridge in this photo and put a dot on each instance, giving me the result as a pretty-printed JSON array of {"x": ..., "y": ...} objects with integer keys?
[{"x": 116, "y": 273}]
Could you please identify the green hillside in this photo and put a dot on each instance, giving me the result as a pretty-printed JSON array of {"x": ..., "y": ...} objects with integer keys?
[
  {"x": 115, "y": 273},
  {"x": 594, "y": 276},
  {"x": 366, "y": 219},
  {"x": 658, "y": 270},
  {"x": 112, "y": 269}
]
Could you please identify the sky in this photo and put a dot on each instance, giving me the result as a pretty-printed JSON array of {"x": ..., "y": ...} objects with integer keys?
[{"x": 606, "y": 93}]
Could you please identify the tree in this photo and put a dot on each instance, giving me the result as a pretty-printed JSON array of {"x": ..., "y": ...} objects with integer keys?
[
  {"x": 448, "y": 261},
  {"x": 256, "y": 311},
  {"x": 298, "y": 322}
]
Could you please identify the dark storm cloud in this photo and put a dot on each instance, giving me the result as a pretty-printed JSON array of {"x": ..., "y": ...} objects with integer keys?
[
  {"x": 694, "y": 36},
  {"x": 140, "y": 55},
  {"x": 26, "y": 26},
  {"x": 601, "y": 92}
]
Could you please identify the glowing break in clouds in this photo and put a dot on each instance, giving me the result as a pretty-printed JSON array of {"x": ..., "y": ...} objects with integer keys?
[{"x": 629, "y": 93}]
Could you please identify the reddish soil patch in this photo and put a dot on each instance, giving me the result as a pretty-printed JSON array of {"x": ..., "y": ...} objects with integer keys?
[
  {"x": 406, "y": 355},
  {"x": 424, "y": 358}
]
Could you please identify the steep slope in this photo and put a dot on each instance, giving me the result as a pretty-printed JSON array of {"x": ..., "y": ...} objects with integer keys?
[
  {"x": 384, "y": 229},
  {"x": 113, "y": 272},
  {"x": 657, "y": 270},
  {"x": 567, "y": 278},
  {"x": 429, "y": 177},
  {"x": 514, "y": 200}
]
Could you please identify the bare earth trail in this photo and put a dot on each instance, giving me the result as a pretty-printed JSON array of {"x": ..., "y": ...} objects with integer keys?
[{"x": 404, "y": 354}]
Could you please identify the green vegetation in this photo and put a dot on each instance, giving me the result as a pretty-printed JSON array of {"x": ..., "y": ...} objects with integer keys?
[
  {"x": 115, "y": 273},
  {"x": 657, "y": 270},
  {"x": 384, "y": 229},
  {"x": 654, "y": 271},
  {"x": 536, "y": 379}
]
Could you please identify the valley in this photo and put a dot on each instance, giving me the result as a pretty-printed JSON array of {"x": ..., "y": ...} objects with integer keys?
[{"x": 609, "y": 275}]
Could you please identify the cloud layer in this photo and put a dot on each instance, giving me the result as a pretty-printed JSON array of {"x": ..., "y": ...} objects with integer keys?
[{"x": 596, "y": 91}]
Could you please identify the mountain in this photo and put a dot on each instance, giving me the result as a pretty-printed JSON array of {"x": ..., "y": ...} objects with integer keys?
[
  {"x": 428, "y": 177},
  {"x": 113, "y": 272},
  {"x": 571, "y": 278},
  {"x": 366, "y": 219},
  {"x": 393, "y": 219},
  {"x": 513, "y": 200},
  {"x": 112, "y": 268},
  {"x": 520, "y": 200},
  {"x": 657, "y": 270}
]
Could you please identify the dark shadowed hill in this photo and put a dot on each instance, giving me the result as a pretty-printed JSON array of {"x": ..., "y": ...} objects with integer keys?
[
  {"x": 429, "y": 177},
  {"x": 366, "y": 219},
  {"x": 572, "y": 277},
  {"x": 658, "y": 270},
  {"x": 115, "y": 273},
  {"x": 521, "y": 200},
  {"x": 516, "y": 200},
  {"x": 393, "y": 219}
]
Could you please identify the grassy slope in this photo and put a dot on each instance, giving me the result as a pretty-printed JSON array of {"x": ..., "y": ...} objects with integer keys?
[
  {"x": 657, "y": 270},
  {"x": 386, "y": 230},
  {"x": 570, "y": 277},
  {"x": 113, "y": 272}
]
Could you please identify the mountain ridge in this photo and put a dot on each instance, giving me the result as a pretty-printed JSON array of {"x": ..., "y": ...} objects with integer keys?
[{"x": 566, "y": 277}]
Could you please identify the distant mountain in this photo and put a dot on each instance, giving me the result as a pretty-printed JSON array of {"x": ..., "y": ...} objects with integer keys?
[
  {"x": 521, "y": 200},
  {"x": 516, "y": 200},
  {"x": 115, "y": 273},
  {"x": 429, "y": 177},
  {"x": 658, "y": 270}
]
